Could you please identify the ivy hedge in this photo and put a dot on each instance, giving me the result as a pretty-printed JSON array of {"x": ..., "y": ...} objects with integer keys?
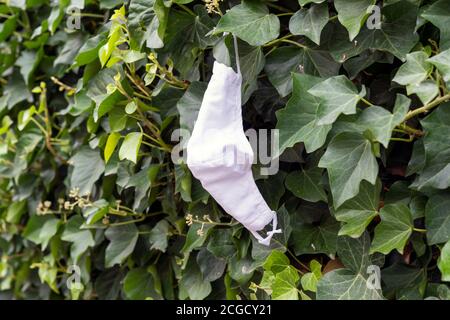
[{"x": 94, "y": 94}]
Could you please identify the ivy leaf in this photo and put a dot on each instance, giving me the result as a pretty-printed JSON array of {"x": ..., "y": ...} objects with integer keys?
[
  {"x": 140, "y": 284},
  {"x": 394, "y": 229},
  {"x": 298, "y": 121},
  {"x": 88, "y": 167},
  {"x": 158, "y": 236},
  {"x": 426, "y": 90},
  {"x": 352, "y": 14},
  {"x": 40, "y": 229},
  {"x": 286, "y": 60},
  {"x": 397, "y": 34},
  {"x": 437, "y": 219},
  {"x": 358, "y": 212},
  {"x": 251, "y": 22},
  {"x": 284, "y": 286},
  {"x": 414, "y": 70},
  {"x": 211, "y": 267},
  {"x": 381, "y": 122},
  {"x": 130, "y": 146},
  {"x": 348, "y": 160},
  {"x": 89, "y": 51},
  {"x": 442, "y": 63},
  {"x": 111, "y": 143},
  {"x": 315, "y": 238},
  {"x": 99, "y": 93},
  {"x": 351, "y": 283},
  {"x": 435, "y": 172},
  {"x": 192, "y": 283},
  {"x": 337, "y": 95},
  {"x": 276, "y": 262},
  {"x": 444, "y": 262},
  {"x": 306, "y": 185},
  {"x": 439, "y": 15},
  {"x": 81, "y": 239},
  {"x": 122, "y": 242},
  {"x": 310, "y": 22},
  {"x": 309, "y": 280}
]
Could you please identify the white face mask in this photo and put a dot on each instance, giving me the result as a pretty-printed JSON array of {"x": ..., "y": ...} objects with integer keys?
[{"x": 220, "y": 156}]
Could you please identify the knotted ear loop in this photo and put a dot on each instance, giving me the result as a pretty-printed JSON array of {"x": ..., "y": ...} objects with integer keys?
[{"x": 220, "y": 156}]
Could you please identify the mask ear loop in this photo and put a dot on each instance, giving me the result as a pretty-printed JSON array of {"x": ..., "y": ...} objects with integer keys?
[{"x": 266, "y": 241}]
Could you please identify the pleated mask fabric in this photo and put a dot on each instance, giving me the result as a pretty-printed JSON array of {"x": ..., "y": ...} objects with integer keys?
[{"x": 221, "y": 157}]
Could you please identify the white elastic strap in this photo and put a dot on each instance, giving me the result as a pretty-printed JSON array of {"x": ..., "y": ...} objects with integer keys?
[
  {"x": 266, "y": 241},
  {"x": 236, "y": 53}
]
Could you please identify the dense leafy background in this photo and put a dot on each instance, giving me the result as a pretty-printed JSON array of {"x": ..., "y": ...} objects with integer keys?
[{"x": 86, "y": 176}]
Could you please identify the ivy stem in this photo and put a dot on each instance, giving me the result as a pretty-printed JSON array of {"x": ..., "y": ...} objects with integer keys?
[
  {"x": 271, "y": 43},
  {"x": 420, "y": 230},
  {"x": 411, "y": 130},
  {"x": 370, "y": 104},
  {"x": 427, "y": 107},
  {"x": 295, "y": 43},
  {"x": 185, "y": 8},
  {"x": 285, "y": 14},
  {"x": 410, "y": 139}
]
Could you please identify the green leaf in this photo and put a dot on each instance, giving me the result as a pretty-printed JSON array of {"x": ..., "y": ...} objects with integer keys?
[
  {"x": 351, "y": 283},
  {"x": 309, "y": 238},
  {"x": 442, "y": 63},
  {"x": 426, "y": 90},
  {"x": 306, "y": 185},
  {"x": 437, "y": 219},
  {"x": 394, "y": 229},
  {"x": 309, "y": 280},
  {"x": 251, "y": 22},
  {"x": 89, "y": 51},
  {"x": 352, "y": 14},
  {"x": 298, "y": 121},
  {"x": 99, "y": 209},
  {"x": 189, "y": 105},
  {"x": 439, "y": 15},
  {"x": 211, "y": 267},
  {"x": 122, "y": 242},
  {"x": 337, "y": 95},
  {"x": 358, "y": 212},
  {"x": 158, "y": 236},
  {"x": 98, "y": 91},
  {"x": 310, "y": 22},
  {"x": 348, "y": 160},
  {"x": 25, "y": 117},
  {"x": 381, "y": 122},
  {"x": 140, "y": 284},
  {"x": 397, "y": 34},
  {"x": 414, "y": 70},
  {"x": 40, "y": 229},
  {"x": 15, "y": 211},
  {"x": 81, "y": 239},
  {"x": 111, "y": 143},
  {"x": 434, "y": 173},
  {"x": 444, "y": 262},
  {"x": 276, "y": 262},
  {"x": 194, "y": 239},
  {"x": 130, "y": 146},
  {"x": 192, "y": 282},
  {"x": 285, "y": 284},
  {"x": 88, "y": 167}
]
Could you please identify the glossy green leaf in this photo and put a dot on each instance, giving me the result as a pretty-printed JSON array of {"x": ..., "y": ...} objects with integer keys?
[
  {"x": 349, "y": 160},
  {"x": 251, "y": 22}
]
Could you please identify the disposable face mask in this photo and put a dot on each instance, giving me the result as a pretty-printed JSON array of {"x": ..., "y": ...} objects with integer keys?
[{"x": 220, "y": 156}]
